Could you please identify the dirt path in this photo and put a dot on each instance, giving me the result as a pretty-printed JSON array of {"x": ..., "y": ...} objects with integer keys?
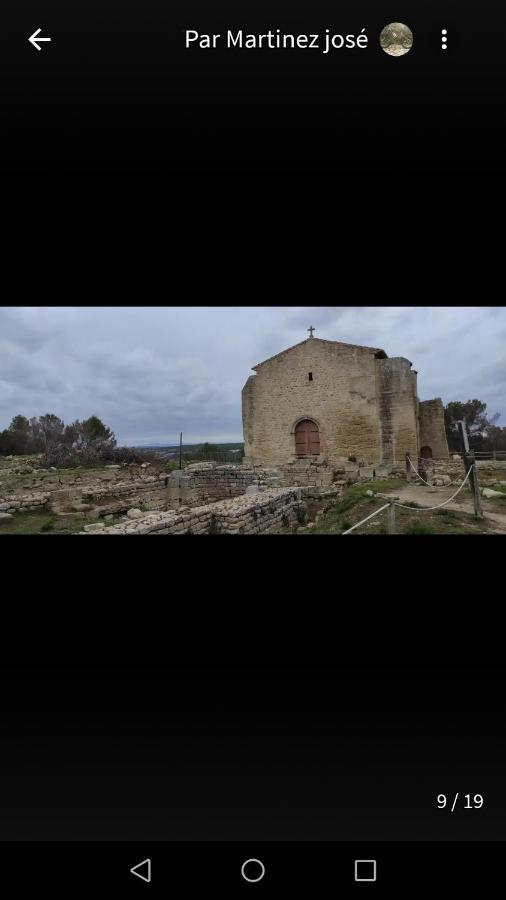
[{"x": 428, "y": 497}]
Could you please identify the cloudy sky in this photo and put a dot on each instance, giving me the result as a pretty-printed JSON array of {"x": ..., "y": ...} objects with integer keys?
[{"x": 151, "y": 372}]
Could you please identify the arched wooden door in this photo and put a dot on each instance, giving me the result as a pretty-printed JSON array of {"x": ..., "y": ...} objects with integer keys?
[
  {"x": 426, "y": 453},
  {"x": 307, "y": 439}
]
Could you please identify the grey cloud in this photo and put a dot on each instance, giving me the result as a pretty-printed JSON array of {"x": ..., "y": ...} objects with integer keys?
[{"x": 150, "y": 372}]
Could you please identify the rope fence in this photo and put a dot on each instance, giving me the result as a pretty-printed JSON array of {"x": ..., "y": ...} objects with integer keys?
[
  {"x": 378, "y": 511},
  {"x": 417, "y": 509},
  {"x": 451, "y": 484},
  {"x": 432, "y": 508}
]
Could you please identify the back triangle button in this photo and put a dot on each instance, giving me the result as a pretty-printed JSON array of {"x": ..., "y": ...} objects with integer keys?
[{"x": 142, "y": 870}]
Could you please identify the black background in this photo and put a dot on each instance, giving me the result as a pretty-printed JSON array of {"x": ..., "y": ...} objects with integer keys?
[
  {"x": 117, "y": 92},
  {"x": 227, "y": 753},
  {"x": 258, "y": 695}
]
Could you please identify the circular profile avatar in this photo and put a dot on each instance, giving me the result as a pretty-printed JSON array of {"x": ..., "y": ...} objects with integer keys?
[{"x": 396, "y": 39}]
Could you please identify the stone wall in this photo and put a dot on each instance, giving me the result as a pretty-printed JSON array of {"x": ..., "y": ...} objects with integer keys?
[
  {"x": 311, "y": 473},
  {"x": 432, "y": 428},
  {"x": 112, "y": 490},
  {"x": 452, "y": 468},
  {"x": 24, "y": 502},
  {"x": 364, "y": 404},
  {"x": 492, "y": 467},
  {"x": 341, "y": 398},
  {"x": 101, "y": 500},
  {"x": 441, "y": 472},
  {"x": 258, "y": 513},
  {"x": 398, "y": 408},
  {"x": 315, "y": 473},
  {"x": 200, "y": 483}
]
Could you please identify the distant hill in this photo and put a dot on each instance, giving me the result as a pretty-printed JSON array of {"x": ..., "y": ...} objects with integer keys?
[
  {"x": 190, "y": 448},
  {"x": 226, "y": 453}
]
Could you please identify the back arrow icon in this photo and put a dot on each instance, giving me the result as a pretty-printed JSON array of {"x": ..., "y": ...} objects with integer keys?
[
  {"x": 34, "y": 39},
  {"x": 143, "y": 870}
]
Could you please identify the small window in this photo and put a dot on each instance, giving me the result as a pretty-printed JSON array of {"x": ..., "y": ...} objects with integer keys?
[{"x": 310, "y": 376}]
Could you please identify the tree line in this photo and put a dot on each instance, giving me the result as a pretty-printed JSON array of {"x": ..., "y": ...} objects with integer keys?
[
  {"x": 485, "y": 436},
  {"x": 59, "y": 443}
]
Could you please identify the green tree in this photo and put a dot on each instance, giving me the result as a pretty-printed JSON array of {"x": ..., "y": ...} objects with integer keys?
[
  {"x": 71, "y": 435},
  {"x": 474, "y": 415},
  {"x": 5, "y": 443},
  {"x": 94, "y": 434},
  {"x": 20, "y": 431},
  {"x": 48, "y": 434},
  {"x": 496, "y": 438}
]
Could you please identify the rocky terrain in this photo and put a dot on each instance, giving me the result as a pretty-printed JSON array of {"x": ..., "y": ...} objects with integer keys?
[{"x": 210, "y": 498}]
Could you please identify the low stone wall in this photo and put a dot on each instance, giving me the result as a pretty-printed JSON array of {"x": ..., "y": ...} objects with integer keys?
[
  {"x": 492, "y": 467},
  {"x": 24, "y": 502},
  {"x": 123, "y": 486},
  {"x": 441, "y": 472},
  {"x": 260, "y": 513},
  {"x": 268, "y": 511},
  {"x": 307, "y": 473},
  {"x": 318, "y": 473},
  {"x": 203, "y": 482},
  {"x": 147, "y": 494}
]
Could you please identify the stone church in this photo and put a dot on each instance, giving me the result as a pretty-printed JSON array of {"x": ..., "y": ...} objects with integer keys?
[{"x": 334, "y": 401}]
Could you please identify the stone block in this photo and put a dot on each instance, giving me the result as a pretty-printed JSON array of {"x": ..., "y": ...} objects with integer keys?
[{"x": 135, "y": 514}]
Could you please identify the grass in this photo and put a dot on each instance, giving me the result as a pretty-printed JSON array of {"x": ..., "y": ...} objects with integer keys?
[
  {"x": 418, "y": 527},
  {"x": 49, "y": 475},
  {"x": 338, "y": 519},
  {"x": 26, "y": 523},
  {"x": 446, "y": 514},
  {"x": 355, "y": 505},
  {"x": 44, "y": 523}
]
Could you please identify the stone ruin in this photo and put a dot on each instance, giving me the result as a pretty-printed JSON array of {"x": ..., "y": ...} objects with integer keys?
[
  {"x": 440, "y": 472},
  {"x": 208, "y": 498},
  {"x": 204, "y": 498},
  {"x": 109, "y": 491},
  {"x": 252, "y": 513}
]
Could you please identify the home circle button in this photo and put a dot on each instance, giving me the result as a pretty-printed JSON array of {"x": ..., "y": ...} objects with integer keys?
[{"x": 253, "y": 871}]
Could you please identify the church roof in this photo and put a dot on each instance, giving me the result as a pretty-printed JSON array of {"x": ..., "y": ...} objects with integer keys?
[{"x": 376, "y": 350}]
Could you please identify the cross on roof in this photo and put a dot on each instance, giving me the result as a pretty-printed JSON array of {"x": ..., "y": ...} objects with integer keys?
[{"x": 311, "y": 330}]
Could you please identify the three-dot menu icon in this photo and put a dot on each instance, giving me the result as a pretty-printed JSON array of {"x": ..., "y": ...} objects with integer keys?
[{"x": 444, "y": 39}]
